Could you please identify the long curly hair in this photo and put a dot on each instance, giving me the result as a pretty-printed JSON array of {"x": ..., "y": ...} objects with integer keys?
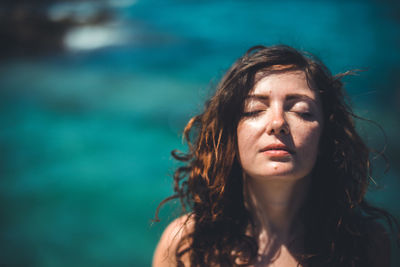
[{"x": 210, "y": 183}]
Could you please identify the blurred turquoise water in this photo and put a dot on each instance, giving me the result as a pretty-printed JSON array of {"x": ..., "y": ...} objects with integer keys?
[{"x": 86, "y": 136}]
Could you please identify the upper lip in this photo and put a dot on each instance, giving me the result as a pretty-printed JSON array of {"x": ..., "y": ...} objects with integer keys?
[{"x": 277, "y": 147}]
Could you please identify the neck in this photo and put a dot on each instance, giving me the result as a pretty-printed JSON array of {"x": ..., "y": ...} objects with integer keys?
[{"x": 275, "y": 203}]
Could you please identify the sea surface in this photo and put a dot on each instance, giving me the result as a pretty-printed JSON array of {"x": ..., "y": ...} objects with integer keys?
[{"x": 86, "y": 134}]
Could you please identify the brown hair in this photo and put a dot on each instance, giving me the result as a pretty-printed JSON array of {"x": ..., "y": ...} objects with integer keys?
[{"x": 336, "y": 215}]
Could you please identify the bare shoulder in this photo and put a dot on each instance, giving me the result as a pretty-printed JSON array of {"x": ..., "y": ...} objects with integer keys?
[
  {"x": 164, "y": 255},
  {"x": 379, "y": 251}
]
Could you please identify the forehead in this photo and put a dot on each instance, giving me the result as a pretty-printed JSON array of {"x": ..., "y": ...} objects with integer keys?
[{"x": 282, "y": 83}]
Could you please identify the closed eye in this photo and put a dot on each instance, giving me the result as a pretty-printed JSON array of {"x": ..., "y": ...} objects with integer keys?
[
  {"x": 300, "y": 108},
  {"x": 252, "y": 113},
  {"x": 305, "y": 114}
]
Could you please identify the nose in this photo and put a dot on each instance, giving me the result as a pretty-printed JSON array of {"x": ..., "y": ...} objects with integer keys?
[{"x": 278, "y": 124}]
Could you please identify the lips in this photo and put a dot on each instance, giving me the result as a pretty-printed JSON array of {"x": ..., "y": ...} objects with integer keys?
[{"x": 277, "y": 149}]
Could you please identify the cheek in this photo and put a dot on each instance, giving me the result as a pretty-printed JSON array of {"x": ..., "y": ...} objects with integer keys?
[
  {"x": 247, "y": 133},
  {"x": 242, "y": 137},
  {"x": 308, "y": 139}
]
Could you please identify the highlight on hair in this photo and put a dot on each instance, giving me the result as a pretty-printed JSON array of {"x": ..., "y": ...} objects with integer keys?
[{"x": 336, "y": 216}]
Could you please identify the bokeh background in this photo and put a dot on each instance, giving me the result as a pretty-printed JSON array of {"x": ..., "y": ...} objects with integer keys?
[{"x": 94, "y": 96}]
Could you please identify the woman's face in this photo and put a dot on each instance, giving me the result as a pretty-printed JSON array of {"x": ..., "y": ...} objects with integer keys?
[{"x": 279, "y": 131}]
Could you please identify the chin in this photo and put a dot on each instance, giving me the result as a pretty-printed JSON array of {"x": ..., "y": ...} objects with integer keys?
[
  {"x": 279, "y": 176},
  {"x": 279, "y": 172}
]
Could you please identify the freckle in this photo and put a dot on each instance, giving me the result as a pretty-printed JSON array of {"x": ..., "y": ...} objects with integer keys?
[{"x": 276, "y": 167}]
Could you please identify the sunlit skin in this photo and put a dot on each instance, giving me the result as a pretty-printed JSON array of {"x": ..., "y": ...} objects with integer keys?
[
  {"x": 278, "y": 138},
  {"x": 281, "y": 110}
]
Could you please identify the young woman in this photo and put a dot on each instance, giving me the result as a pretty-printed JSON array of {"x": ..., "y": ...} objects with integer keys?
[{"x": 276, "y": 173}]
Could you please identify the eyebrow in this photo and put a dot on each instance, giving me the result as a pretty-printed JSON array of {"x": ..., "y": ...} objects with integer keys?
[
  {"x": 300, "y": 97},
  {"x": 257, "y": 97},
  {"x": 288, "y": 97}
]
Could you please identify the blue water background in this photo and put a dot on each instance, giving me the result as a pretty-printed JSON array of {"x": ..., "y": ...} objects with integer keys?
[{"x": 86, "y": 136}]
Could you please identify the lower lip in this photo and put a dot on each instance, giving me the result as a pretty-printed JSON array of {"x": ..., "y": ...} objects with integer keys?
[{"x": 277, "y": 153}]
